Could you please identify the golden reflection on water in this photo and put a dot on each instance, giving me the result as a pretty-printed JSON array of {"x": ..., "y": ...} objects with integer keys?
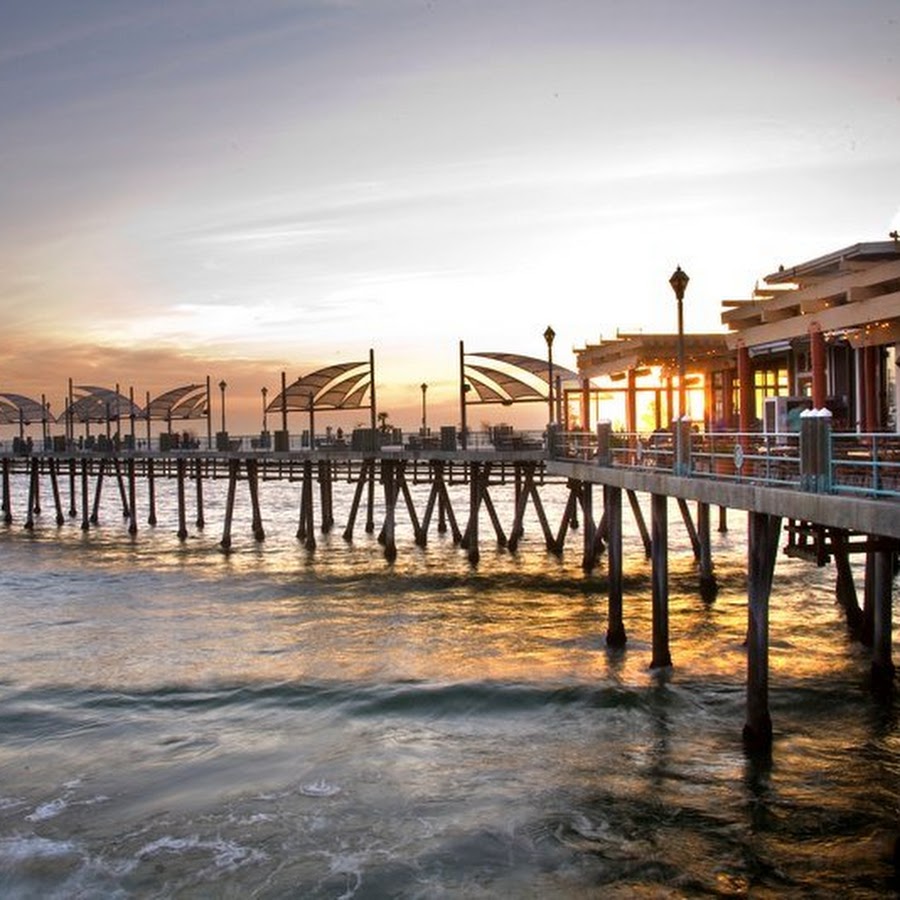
[{"x": 282, "y": 613}]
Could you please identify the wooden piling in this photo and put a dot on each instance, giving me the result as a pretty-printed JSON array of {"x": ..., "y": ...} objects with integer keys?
[
  {"x": 387, "y": 537},
  {"x": 36, "y": 500},
  {"x": 528, "y": 489},
  {"x": 225, "y": 543},
  {"x": 306, "y": 524},
  {"x": 693, "y": 537},
  {"x": 403, "y": 486},
  {"x": 98, "y": 489},
  {"x": 762, "y": 550},
  {"x": 638, "y": 514},
  {"x": 708, "y": 585},
  {"x": 7, "y": 494},
  {"x": 32, "y": 491},
  {"x": 659, "y": 556},
  {"x": 440, "y": 497},
  {"x": 180, "y": 474},
  {"x": 883, "y": 576},
  {"x": 73, "y": 504},
  {"x": 590, "y": 532},
  {"x": 326, "y": 497},
  {"x": 85, "y": 514},
  {"x": 54, "y": 486},
  {"x": 132, "y": 496},
  {"x": 120, "y": 481},
  {"x": 251, "y": 466},
  {"x": 365, "y": 480},
  {"x": 470, "y": 536},
  {"x": 198, "y": 477},
  {"x": 612, "y": 505},
  {"x": 151, "y": 494},
  {"x": 844, "y": 586}
]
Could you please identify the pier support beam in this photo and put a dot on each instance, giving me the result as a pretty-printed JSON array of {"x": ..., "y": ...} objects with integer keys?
[
  {"x": 229, "y": 503},
  {"x": 708, "y": 586},
  {"x": 132, "y": 496},
  {"x": 659, "y": 555},
  {"x": 387, "y": 537},
  {"x": 844, "y": 587},
  {"x": 326, "y": 496},
  {"x": 85, "y": 514},
  {"x": 441, "y": 497},
  {"x": 198, "y": 476},
  {"x": 638, "y": 514},
  {"x": 366, "y": 482},
  {"x": 151, "y": 494},
  {"x": 306, "y": 520},
  {"x": 73, "y": 498},
  {"x": 32, "y": 493},
  {"x": 762, "y": 549},
  {"x": 252, "y": 468},
  {"x": 54, "y": 485},
  {"x": 7, "y": 496},
  {"x": 612, "y": 504},
  {"x": 469, "y": 542},
  {"x": 180, "y": 474},
  {"x": 592, "y": 543},
  {"x": 98, "y": 490},
  {"x": 882, "y": 588},
  {"x": 120, "y": 481},
  {"x": 517, "y": 529}
]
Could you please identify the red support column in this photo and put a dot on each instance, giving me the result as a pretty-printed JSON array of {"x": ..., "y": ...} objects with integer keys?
[
  {"x": 817, "y": 360},
  {"x": 631, "y": 403},
  {"x": 745, "y": 377},
  {"x": 586, "y": 404},
  {"x": 870, "y": 389},
  {"x": 728, "y": 399}
]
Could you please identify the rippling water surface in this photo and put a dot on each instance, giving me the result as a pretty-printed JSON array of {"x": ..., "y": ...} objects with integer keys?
[{"x": 178, "y": 722}]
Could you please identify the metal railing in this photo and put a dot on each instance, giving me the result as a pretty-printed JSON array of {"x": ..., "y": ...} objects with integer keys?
[
  {"x": 356, "y": 440},
  {"x": 814, "y": 459}
]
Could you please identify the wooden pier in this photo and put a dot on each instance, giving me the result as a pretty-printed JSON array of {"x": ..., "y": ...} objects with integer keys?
[{"x": 821, "y": 527}]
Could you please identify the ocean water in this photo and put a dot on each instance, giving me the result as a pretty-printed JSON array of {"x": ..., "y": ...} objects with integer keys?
[{"x": 176, "y": 721}]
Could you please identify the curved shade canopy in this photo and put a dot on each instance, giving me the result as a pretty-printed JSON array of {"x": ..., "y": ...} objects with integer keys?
[
  {"x": 186, "y": 402},
  {"x": 99, "y": 404},
  {"x": 16, "y": 409},
  {"x": 341, "y": 386},
  {"x": 512, "y": 378}
]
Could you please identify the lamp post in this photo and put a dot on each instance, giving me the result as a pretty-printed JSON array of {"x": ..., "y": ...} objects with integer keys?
[
  {"x": 265, "y": 391},
  {"x": 424, "y": 389},
  {"x": 222, "y": 386},
  {"x": 679, "y": 282},
  {"x": 549, "y": 334}
]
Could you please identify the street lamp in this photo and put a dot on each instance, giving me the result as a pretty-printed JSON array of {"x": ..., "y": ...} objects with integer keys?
[
  {"x": 549, "y": 334},
  {"x": 264, "y": 391},
  {"x": 222, "y": 386},
  {"x": 424, "y": 389},
  {"x": 679, "y": 282}
]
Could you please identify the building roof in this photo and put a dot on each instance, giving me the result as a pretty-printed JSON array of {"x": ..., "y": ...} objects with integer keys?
[
  {"x": 852, "y": 293},
  {"x": 702, "y": 352},
  {"x": 836, "y": 262}
]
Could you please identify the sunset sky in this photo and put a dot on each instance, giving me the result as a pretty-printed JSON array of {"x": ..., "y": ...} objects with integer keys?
[{"x": 234, "y": 188}]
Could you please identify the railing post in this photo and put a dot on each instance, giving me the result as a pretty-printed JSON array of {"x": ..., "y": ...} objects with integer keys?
[
  {"x": 554, "y": 439},
  {"x": 815, "y": 451},
  {"x": 604, "y": 448},
  {"x": 682, "y": 446}
]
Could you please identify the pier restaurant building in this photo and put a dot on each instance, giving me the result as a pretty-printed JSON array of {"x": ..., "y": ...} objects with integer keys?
[{"x": 823, "y": 334}]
